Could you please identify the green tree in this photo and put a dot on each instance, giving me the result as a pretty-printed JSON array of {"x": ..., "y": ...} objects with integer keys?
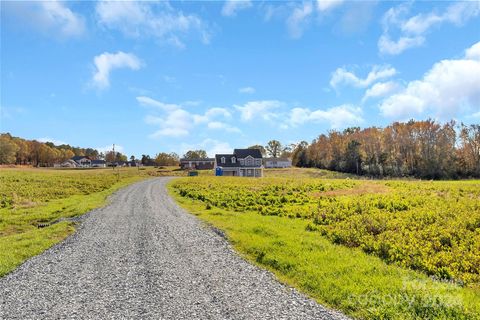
[
  {"x": 195, "y": 154},
  {"x": 274, "y": 148}
]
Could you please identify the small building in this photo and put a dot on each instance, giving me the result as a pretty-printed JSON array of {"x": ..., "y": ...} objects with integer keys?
[
  {"x": 197, "y": 164},
  {"x": 277, "y": 163},
  {"x": 242, "y": 163},
  {"x": 99, "y": 164}
]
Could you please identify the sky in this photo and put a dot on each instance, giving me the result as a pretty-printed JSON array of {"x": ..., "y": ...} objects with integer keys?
[{"x": 162, "y": 76}]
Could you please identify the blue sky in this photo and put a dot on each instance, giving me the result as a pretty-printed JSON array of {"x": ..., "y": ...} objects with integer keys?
[{"x": 173, "y": 76}]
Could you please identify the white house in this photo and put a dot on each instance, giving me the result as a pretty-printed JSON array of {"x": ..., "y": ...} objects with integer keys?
[
  {"x": 83, "y": 162},
  {"x": 278, "y": 163}
]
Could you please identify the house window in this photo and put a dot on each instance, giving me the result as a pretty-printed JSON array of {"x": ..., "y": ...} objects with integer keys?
[
  {"x": 234, "y": 160},
  {"x": 223, "y": 160}
]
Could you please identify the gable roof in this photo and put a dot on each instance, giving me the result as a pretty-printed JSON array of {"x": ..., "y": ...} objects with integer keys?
[
  {"x": 228, "y": 160},
  {"x": 98, "y": 162},
  {"x": 76, "y": 158},
  {"x": 243, "y": 153}
]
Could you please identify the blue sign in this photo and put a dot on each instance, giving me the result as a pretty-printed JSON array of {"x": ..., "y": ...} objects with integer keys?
[{"x": 219, "y": 171}]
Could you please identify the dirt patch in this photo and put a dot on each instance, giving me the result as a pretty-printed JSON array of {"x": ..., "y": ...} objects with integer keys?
[{"x": 361, "y": 189}]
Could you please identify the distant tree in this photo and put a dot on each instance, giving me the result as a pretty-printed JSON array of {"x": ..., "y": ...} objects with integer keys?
[
  {"x": 145, "y": 159},
  {"x": 259, "y": 147},
  {"x": 274, "y": 148},
  {"x": 195, "y": 154},
  {"x": 299, "y": 154},
  {"x": 353, "y": 158},
  {"x": 167, "y": 159},
  {"x": 8, "y": 149},
  {"x": 91, "y": 153},
  {"x": 287, "y": 151},
  {"x": 110, "y": 156},
  {"x": 132, "y": 158}
]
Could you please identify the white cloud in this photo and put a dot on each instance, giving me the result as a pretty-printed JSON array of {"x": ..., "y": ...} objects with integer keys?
[
  {"x": 473, "y": 53},
  {"x": 413, "y": 29},
  {"x": 381, "y": 89},
  {"x": 258, "y": 109},
  {"x": 51, "y": 17},
  {"x": 106, "y": 62},
  {"x": 389, "y": 46},
  {"x": 248, "y": 90},
  {"x": 175, "y": 121},
  {"x": 231, "y": 7},
  {"x": 299, "y": 18},
  {"x": 217, "y": 125},
  {"x": 54, "y": 141},
  {"x": 326, "y": 5},
  {"x": 211, "y": 146},
  {"x": 147, "y": 101},
  {"x": 448, "y": 88},
  {"x": 342, "y": 76},
  {"x": 338, "y": 117},
  {"x": 148, "y": 19},
  {"x": 109, "y": 147}
]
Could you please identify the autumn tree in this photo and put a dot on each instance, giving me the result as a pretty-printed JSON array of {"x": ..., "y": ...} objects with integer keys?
[
  {"x": 195, "y": 154},
  {"x": 167, "y": 159},
  {"x": 8, "y": 149}
]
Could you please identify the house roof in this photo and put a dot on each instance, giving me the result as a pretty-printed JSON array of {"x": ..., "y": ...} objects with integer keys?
[
  {"x": 243, "y": 153},
  {"x": 76, "y": 158},
  {"x": 98, "y": 162},
  {"x": 238, "y": 154},
  {"x": 228, "y": 160}
]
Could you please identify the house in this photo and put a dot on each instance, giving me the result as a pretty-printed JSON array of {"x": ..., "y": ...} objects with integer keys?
[
  {"x": 197, "y": 164},
  {"x": 83, "y": 162},
  {"x": 242, "y": 163},
  {"x": 277, "y": 163},
  {"x": 98, "y": 164}
]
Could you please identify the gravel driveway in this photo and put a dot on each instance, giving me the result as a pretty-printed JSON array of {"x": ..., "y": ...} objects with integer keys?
[{"x": 143, "y": 257}]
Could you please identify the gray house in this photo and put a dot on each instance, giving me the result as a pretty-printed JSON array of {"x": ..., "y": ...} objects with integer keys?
[{"x": 242, "y": 163}]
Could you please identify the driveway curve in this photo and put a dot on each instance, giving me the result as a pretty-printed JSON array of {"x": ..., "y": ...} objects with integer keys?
[{"x": 143, "y": 257}]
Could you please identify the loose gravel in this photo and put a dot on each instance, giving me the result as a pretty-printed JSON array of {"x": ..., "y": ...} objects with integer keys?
[{"x": 143, "y": 257}]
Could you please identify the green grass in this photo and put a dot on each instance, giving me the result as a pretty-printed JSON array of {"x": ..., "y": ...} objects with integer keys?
[
  {"x": 345, "y": 278},
  {"x": 32, "y": 200}
]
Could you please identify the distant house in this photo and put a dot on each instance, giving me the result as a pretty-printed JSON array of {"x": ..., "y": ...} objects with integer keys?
[
  {"x": 83, "y": 162},
  {"x": 242, "y": 163},
  {"x": 99, "y": 164},
  {"x": 197, "y": 164},
  {"x": 277, "y": 163}
]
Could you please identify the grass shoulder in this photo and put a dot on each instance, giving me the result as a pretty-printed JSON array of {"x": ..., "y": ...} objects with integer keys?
[
  {"x": 358, "y": 284},
  {"x": 36, "y": 205}
]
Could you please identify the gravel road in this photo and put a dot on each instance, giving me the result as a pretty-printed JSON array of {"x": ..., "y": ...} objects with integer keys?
[{"x": 143, "y": 257}]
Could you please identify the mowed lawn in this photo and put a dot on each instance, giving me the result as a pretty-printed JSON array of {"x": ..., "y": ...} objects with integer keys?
[
  {"x": 34, "y": 203},
  {"x": 386, "y": 249}
]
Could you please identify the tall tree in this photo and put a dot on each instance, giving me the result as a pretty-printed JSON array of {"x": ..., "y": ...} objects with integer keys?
[
  {"x": 8, "y": 149},
  {"x": 195, "y": 154},
  {"x": 274, "y": 148}
]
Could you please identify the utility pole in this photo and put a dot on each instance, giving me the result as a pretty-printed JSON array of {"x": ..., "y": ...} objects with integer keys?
[{"x": 113, "y": 152}]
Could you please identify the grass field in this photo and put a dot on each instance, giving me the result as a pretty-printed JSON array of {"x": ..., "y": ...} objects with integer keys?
[
  {"x": 373, "y": 249},
  {"x": 34, "y": 201}
]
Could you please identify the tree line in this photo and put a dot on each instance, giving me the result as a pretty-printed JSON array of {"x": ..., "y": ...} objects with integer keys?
[
  {"x": 15, "y": 150},
  {"x": 423, "y": 149}
]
